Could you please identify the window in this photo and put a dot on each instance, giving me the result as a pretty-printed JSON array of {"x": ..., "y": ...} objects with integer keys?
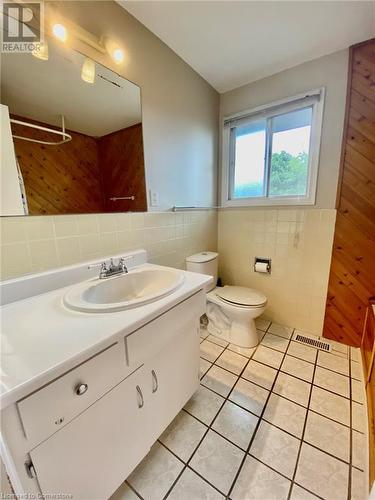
[{"x": 270, "y": 155}]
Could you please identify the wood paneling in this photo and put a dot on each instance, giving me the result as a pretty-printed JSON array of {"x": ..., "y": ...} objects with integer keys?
[
  {"x": 352, "y": 275},
  {"x": 62, "y": 179},
  {"x": 122, "y": 166},
  {"x": 81, "y": 175}
]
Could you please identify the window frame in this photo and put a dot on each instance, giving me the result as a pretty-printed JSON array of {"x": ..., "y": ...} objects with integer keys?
[{"x": 313, "y": 98}]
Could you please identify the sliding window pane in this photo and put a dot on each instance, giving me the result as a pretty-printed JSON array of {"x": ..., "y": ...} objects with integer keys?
[
  {"x": 290, "y": 153},
  {"x": 250, "y": 145}
]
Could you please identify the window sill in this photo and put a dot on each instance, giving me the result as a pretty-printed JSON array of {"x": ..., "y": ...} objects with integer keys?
[{"x": 268, "y": 202}]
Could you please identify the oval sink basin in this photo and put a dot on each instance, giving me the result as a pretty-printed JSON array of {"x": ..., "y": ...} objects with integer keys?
[{"x": 125, "y": 291}]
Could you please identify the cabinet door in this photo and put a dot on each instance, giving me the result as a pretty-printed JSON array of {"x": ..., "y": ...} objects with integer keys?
[
  {"x": 94, "y": 453},
  {"x": 173, "y": 377}
]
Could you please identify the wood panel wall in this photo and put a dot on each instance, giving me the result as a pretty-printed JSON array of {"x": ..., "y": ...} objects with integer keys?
[
  {"x": 81, "y": 175},
  {"x": 122, "y": 165},
  {"x": 352, "y": 274},
  {"x": 62, "y": 179}
]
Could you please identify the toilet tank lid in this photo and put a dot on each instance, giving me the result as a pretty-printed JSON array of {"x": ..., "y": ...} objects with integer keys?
[{"x": 202, "y": 257}]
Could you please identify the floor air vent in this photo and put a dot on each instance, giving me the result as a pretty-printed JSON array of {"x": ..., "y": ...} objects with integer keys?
[{"x": 313, "y": 342}]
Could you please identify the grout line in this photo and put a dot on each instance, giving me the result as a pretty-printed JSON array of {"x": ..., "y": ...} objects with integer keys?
[
  {"x": 257, "y": 425},
  {"x": 350, "y": 435},
  {"x": 303, "y": 430},
  {"x": 133, "y": 490}
]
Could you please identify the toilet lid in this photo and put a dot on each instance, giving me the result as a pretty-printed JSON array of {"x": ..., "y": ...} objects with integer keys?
[{"x": 241, "y": 295}]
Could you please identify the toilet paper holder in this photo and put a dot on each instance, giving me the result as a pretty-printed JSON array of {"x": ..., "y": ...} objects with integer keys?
[{"x": 262, "y": 260}]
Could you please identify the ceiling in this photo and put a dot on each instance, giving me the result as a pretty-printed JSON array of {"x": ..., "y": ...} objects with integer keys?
[
  {"x": 233, "y": 43},
  {"x": 45, "y": 90}
]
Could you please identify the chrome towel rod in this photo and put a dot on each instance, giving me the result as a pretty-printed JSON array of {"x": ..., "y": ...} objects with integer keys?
[
  {"x": 66, "y": 137},
  {"x": 180, "y": 209},
  {"x": 116, "y": 198}
]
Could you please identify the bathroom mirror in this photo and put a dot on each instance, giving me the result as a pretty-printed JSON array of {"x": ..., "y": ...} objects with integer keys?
[{"x": 77, "y": 133}]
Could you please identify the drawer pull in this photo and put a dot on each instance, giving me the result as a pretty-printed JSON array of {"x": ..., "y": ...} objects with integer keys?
[
  {"x": 81, "y": 389},
  {"x": 155, "y": 383},
  {"x": 140, "y": 398}
]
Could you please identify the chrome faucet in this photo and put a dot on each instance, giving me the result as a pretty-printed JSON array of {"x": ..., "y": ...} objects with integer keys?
[{"x": 112, "y": 269}]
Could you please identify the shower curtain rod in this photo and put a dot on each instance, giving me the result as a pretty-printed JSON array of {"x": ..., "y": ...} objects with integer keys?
[{"x": 66, "y": 137}]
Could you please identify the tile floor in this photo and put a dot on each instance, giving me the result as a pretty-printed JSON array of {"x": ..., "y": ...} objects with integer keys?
[{"x": 280, "y": 421}]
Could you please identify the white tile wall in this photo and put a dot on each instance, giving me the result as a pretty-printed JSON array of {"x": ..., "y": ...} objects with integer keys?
[
  {"x": 298, "y": 241},
  {"x": 33, "y": 244}
]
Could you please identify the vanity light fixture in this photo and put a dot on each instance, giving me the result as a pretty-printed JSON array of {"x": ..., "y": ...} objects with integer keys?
[
  {"x": 42, "y": 51},
  {"x": 88, "y": 70},
  {"x": 115, "y": 52},
  {"x": 60, "y": 32}
]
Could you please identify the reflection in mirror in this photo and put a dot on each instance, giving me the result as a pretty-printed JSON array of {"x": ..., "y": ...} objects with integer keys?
[{"x": 94, "y": 163}]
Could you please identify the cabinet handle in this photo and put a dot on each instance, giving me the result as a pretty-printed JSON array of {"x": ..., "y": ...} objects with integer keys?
[
  {"x": 81, "y": 389},
  {"x": 140, "y": 399},
  {"x": 155, "y": 383}
]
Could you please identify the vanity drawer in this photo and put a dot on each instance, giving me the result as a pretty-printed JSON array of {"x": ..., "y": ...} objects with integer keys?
[{"x": 47, "y": 410}]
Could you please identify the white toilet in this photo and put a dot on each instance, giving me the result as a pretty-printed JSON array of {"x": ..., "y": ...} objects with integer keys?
[{"x": 231, "y": 310}]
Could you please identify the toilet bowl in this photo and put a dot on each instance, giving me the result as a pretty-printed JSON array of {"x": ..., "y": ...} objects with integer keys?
[{"x": 231, "y": 310}]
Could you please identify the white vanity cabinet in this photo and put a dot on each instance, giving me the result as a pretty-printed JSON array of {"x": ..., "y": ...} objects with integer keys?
[{"x": 93, "y": 453}]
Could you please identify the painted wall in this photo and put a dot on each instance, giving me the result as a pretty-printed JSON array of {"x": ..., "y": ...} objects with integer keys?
[
  {"x": 299, "y": 242},
  {"x": 329, "y": 72},
  {"x": 179, "y": 109}
]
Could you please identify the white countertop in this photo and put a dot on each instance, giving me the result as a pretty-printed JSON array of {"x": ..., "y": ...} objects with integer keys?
[{"x": 41, "y": 339}]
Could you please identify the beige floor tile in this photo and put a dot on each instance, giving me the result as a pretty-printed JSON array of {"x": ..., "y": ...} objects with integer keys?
[
  {"x": 245, "y": 351},
  {"x": 358, "y": 391},
  {"x": 327, "y": 435},
  {"x": 332, "y": 362},
  {"x": 355, "y": 354},
  {"x": 210, "y": 351},
  {"x": 204, "y": 405},
  {"x": 330, "y": 405},
  {"x": 275, "y": 342},
  {"x": 156, "y": 473},
  {"x": 232, "y": 361},
  {"x": 217, "y": 460},
  {"x": 260, "y": 374},
  {"x": 219, "y": 380},
  {"x": 302, "y": 351},
  {"x": 292, "y": 388},
  {"x": 356, "y": 370},
  {"x": 204, "y": 366},
  {"x": 285, "y": 414},
  {"x": 275, "y": 448},
  {"x": 249, "y": 396},
  {"x": 235, "y": 424},
  {"x": 268, "y": 356},
  {"x": 183, "y": 435},
  {"x": 299, "y": 493},
  {"x": 321, "y": 474},
  {"x": 359, "y": 417},
  {"x": 124, "y": 493},
  {"x": 359, "y": 450},
  {"x": 280, "y": 330},
  {"x": 332, "y": 381},
  {"x": 338, "y": 346},
  {"x": 258, "y": 482},
  {"x": 298, "y": 367},
  {"x": 262, "y": 324},
  {"x": 359, "y": 485},
  {"x": 203, "y": 332},
  {"x": 190, "y": 486},
  {"x": 217, "y": 340}
]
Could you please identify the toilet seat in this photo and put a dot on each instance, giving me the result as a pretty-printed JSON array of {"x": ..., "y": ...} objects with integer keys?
[{"x": 241, "y": 296}]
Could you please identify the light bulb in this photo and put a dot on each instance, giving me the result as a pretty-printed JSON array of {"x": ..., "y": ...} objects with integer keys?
[
  {"x": 60, "y": 32},
  {"x": 41, "y": 52},
  {"x": 114, "y": 50},
  {"x": 88, "y": 70}
]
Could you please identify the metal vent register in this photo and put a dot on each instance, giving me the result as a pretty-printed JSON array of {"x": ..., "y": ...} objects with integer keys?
[{"x": 313, "y": 342}]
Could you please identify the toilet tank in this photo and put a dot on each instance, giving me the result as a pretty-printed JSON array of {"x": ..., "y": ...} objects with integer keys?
[{"x": 204, "y": 263}]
